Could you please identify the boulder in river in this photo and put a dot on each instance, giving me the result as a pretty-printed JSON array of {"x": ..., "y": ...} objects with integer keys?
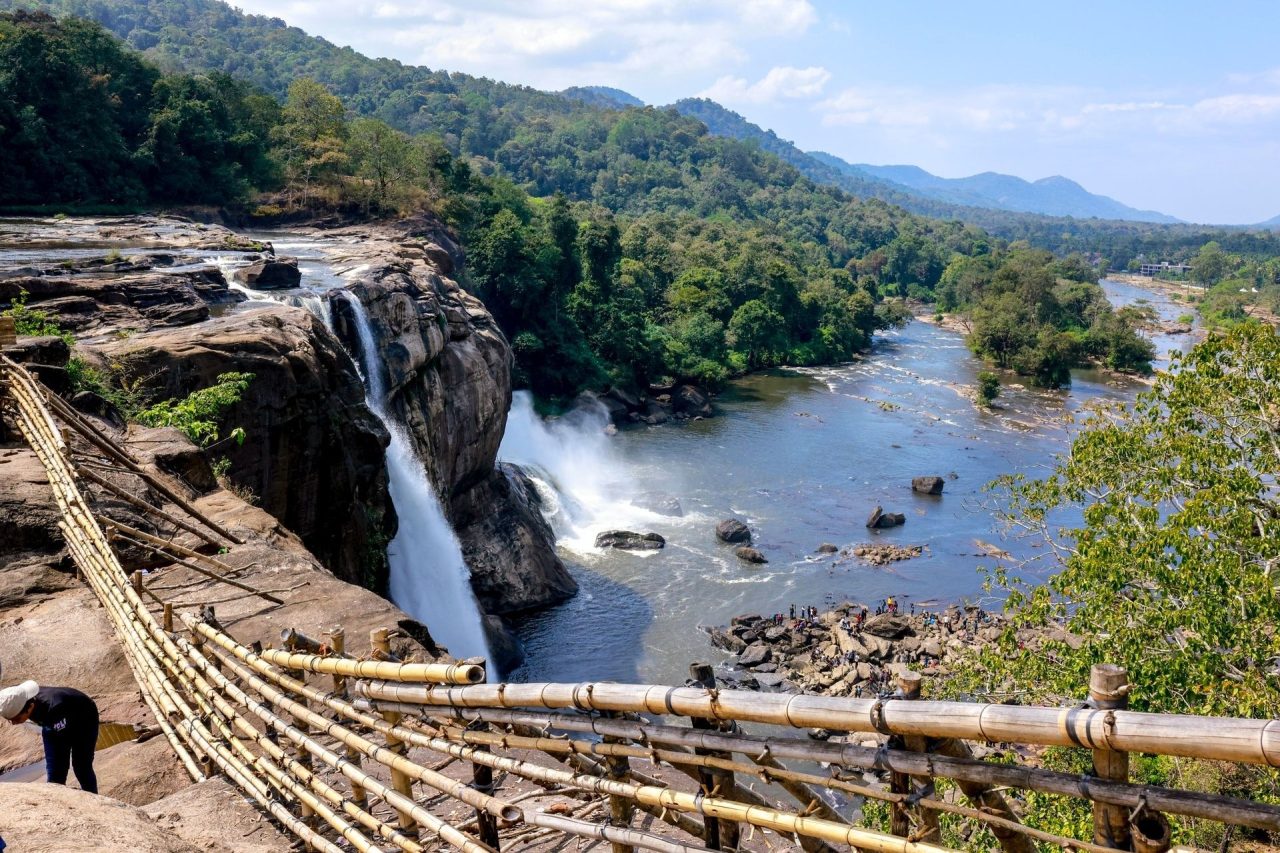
[
  {"x": 879, "y": 519},
  {"x": 626, "y": 540},
  {"x": 754, "y": 655},
  {"x": 927, "y": 485},
  {"x": 690, "y": 400},
  {"x": 271, "y": 274},
  {"x": 750, "y": 555},
  {"x": 733, "y": 531},
  {"x": 827, "y": 548}
]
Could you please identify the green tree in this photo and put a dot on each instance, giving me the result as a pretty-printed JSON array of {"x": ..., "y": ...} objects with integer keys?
[
  {"x": 312, "y": 135},
  {"x": 988, "y": 387},
  {"x": 1172, "y": 573},
  {"x": 380, "y": 158},
  {"x": 1210, "y": 265},
  {"x": 758, "y": 333}
]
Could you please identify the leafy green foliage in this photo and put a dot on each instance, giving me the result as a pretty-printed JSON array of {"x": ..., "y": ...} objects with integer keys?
[
  {"x": 988, "y": 387},
  {"x": 33, "y": 321},
  {"x": 1171, "y": 574},
  {"x": 84, "y": 120},
  {"x": 198, "y": 414}
]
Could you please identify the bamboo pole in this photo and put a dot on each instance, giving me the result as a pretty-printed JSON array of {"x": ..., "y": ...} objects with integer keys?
[
  {"x": 170, "y": 545},
  {"x": 130, "y": 498},
  {"x": 379, "y": 641},
  {"x": 432, "y": 673},
  {"x": 107, "y": 445},
  {"x": 338, "y": 643},
  {"x": 1109, "y": 690},
  {"x": 779, "y": 821},
  {"x": 113, "y": 533},
  {"x": 1215, "y": 738},
  {"x": 962, "y": 768},
  {"x": 482, "y": 780}
]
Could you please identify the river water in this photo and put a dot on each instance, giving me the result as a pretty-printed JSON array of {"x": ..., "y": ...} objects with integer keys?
[{"x": 803, "y": 456}]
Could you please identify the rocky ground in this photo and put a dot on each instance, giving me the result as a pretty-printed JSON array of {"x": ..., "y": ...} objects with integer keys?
[{"x": 831, "y": 653}]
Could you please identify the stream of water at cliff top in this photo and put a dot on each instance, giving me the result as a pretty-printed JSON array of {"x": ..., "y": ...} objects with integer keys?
[{"x": 802, "y": 455}]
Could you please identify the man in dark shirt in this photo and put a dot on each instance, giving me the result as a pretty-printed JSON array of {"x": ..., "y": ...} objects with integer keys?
[{"x": 68, "y": 721}]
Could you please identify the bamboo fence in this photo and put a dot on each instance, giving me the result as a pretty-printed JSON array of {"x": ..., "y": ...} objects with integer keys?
[{"x": 332, "y": 746}]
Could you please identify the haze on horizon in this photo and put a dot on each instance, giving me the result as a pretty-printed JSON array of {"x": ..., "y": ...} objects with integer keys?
[{"x": 1161, "y": 106}]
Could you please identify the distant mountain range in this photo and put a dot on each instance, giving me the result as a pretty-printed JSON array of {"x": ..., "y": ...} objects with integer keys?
[{"x": 918, "y": 190}]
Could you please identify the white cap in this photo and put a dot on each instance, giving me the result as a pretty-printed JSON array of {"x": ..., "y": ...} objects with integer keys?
[{"x": 14, "y": 699}]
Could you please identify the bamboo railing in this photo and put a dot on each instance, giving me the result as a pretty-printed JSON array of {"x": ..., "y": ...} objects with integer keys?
[{"x": 338, "y": 749}]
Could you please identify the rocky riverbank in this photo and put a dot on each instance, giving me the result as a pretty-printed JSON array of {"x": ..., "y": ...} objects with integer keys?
[
  {"x": 150, "y": 311},
  {"x": 853, "y": 649}
]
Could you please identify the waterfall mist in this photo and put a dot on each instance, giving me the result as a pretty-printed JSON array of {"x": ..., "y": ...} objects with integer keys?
[
  {"x": 429, "y": 579},
  {"x": 584, "y": 483}
]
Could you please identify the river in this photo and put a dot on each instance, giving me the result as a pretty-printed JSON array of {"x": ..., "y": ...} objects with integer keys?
[{"x": 803, "y": 456}]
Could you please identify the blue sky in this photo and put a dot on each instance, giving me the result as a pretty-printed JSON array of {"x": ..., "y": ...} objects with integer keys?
[{"x": 1172, "y": 106}]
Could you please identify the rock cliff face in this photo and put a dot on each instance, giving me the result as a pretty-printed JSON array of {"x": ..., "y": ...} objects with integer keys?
[
  {"x": 313, "y": 454},
  {"x": 448, "y": 377}
]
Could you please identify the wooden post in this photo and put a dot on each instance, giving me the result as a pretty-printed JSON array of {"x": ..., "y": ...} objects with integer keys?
[
  {"x": 721, "y": 835},
  {"x": 482, "y": 781},
  {"x": 301, "y": 755},
  {"x": 338, "y": 643},
  {"x": 168, "y": 618},
  {"x": 8, "y": 331},
  {"x": 136, "y": 580},
  {"x": 380, "y": 643},
  {"x": 1108, "y": 691},
  {"x": 621, "y": 809},
  {"x": 930, "y": 826}
]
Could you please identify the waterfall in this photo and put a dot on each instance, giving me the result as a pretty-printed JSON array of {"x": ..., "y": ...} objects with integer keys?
[
  {"x": 429, "y": 579},
  {"x": 586, "y": 488}
]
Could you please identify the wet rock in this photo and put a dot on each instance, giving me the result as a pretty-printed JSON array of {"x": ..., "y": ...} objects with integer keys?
[
  {"x": 827, "y": 548},
  {"x": 755, "y": 654},
  {"x": 659, "y": 502},
  {"x": 747, "y": 619},
  {"x": 271, "y": 274},
  {"x": 883, "y": 554},
  {"x": 927, "y": 485},
  {"x": 879, "y": 519},
  {"x": 733, "y": 531},
  {"x": 691, "y": 400},
  {"x": 750, "y": 555},
  {"x": 769, "y": 679},
  {"x": 626, "y": 540}
]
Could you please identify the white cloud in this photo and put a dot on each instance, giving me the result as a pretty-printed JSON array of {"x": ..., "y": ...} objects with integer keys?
[
  {"x": 554, "y": 43},
  {"x": 781, "y": 83}
]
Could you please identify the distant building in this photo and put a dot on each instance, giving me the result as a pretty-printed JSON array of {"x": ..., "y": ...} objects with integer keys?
[{"x": 1164, "y": 269}]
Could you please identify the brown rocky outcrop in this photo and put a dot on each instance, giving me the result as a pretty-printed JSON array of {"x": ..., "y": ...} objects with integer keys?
[
  {"x": 627, "y": 540},
  {"x": 449, "y": 382},
  {"x": 733, "y": 531},
  {"x": 313, "y": 453},
  {"x": 279, "y": 273}
]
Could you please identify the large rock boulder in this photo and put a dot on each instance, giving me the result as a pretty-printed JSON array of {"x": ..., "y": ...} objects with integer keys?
[
  {"x": 888, "y": 626},
  {"x": 508, "y": 544},
  {"x": 626, "y": 540},
  {"x": 271, "y": 274},
  {"x": 927, "y": 485},
  {"x": 750, "y": 555},
  {"x": 733, "y": 531},
  {"x": 313, "y": 452}
]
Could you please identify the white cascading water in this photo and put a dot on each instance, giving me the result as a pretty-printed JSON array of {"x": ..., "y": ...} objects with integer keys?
[
  {"x": 584, "y": 486},
  {"x": 429, "y": 579}
]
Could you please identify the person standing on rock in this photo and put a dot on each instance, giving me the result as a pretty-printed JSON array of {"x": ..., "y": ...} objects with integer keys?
[{"x": 68, "y": 721}]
